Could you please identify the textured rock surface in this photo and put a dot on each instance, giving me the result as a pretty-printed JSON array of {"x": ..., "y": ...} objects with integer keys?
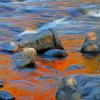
[
  {"x": 79, "y": 87},
  {"x": 92, "y": 42},
  {"x": 24, "y": 58},
  {"x": 5, "y": 95},
  {"x": 43, "y": 40}
]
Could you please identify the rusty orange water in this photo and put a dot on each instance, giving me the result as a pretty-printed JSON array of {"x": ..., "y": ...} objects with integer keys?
[{"x": 42, "y": 83}]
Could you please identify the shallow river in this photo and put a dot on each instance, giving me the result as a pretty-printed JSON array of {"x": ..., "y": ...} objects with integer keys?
[{"x": 42, "y": 82}]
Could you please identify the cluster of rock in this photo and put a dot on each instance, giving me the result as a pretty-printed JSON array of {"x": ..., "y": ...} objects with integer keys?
[
  {"x": 27, "y": 44},
  {"x": 79, "y": 87}
]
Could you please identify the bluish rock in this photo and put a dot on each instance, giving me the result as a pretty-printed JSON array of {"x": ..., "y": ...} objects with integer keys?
[
  {"x": 74, "y": 67},
  {"x": 9, "y": 46},
  {"x": 72, "y": 88},
  {"x": 55, "y": 53},
  {"x": 5, "y": 95}
]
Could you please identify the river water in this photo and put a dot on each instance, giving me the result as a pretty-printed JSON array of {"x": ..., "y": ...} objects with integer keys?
[{"x": 42, "y": 82}]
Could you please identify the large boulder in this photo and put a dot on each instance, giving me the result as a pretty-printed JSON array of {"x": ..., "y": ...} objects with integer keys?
[
  {"x": 79, "y": 87},
  {"x": 24, "y": 58},
  {"x": 41, "y": 41},
  {"x": 91, "y": 43}
]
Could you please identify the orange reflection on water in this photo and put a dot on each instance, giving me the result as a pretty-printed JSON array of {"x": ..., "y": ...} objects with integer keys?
[{"x": 42, "y": 83}]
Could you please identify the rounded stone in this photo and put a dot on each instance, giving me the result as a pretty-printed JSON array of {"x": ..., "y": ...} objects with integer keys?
[
  {"x": 25, "y": 57},
  {"x": 55, "y": 53},
  {"x": 5, "y": 95},
  {"x": 9, "y": 46}
]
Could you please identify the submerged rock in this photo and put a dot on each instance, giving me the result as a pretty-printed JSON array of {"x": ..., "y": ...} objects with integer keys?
[
  {"x": 5, "y": 1},
  {"x": 24, "y": 58},
  {"x": 91, "y": 43},
  {"x": 5, "y": 95},
  {"x": 9, "y": 46},
  {"x": 79, "y": 87},
  {"x": 41, "y": 41},
  {"x": 92, "y": 12},
  {"x": 74, "y": 67},
  {"x": 55, "y": 53}
]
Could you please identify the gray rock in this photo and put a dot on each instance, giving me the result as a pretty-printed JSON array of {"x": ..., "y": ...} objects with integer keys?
[
  {"x": 5, "y": 95},
  {"x": 79, "y": 87},
  {"x": 92, "y": 43},
  {"x": 41, "y": 41},
  {"x": 24, "y": 58}
]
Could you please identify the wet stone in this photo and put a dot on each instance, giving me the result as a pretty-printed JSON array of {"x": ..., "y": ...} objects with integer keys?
[
  {"x": 74, "y": 67},
  {"x": 40, "y": 40},
  {"x": 72, "y": 88},
  {"x": 55, "y": 53},
  {"x": 9, "y": 46},
  {"x": 5, "y": 95},
  {"x": 91, "y": 45},
  {"x": 24, "y": 58}
]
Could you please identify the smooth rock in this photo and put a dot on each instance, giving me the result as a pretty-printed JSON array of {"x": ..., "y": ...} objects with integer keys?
[
  {"x": 5, "y": 95},
  {"x": 79, "y": 87},
  {"x": 74, "y": 67},
  {"x": 55, "y": 53},
  {"x": 40, "y": 40},
  {"x": 24, "y": 58},
  {"x": 9, "y": 46}
]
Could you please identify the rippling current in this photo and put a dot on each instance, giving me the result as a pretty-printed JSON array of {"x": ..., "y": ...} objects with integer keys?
[
  {"x": 17, "y": 16},
  {"x": 64, "y": 16}
]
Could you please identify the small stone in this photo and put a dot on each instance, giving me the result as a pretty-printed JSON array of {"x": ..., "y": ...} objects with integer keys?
[
  {"x": 92, "y": 43},
  {"x": 5, "y": 95},
  {"x": 55, "y": 53},
  {"x": 9, "y": 46},
  {"x": 24, "y": 58},
  {"x": 74, "y": 67}
]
